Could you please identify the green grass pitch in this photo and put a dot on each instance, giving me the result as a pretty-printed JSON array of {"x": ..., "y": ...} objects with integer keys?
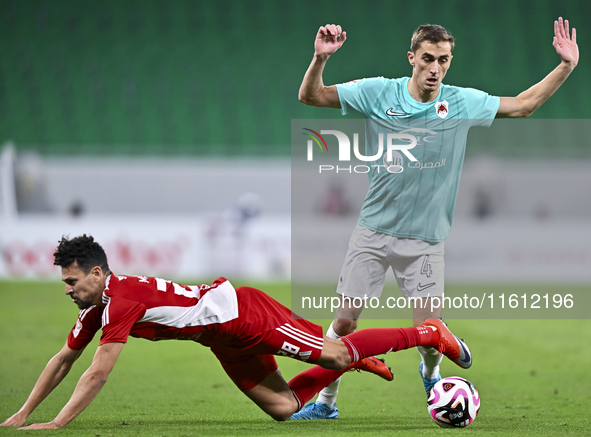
[{"x": 533, "y": 377}]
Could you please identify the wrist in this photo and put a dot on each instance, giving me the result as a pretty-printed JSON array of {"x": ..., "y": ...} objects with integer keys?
[
  {"x": 25, "y": 411},
  {"x": 322, "y": 57},
  {"x": 56, "y": 424},
  {"x": 568, "y": 65}
]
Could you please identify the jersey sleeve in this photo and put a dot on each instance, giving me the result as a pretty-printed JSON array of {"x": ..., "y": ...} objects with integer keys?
[
  {"x": 88, "y": 323},
  {"x": 360, "y": 95},
  {"x": 482, "y": 107},
  {"x": 118, "y": 318}
]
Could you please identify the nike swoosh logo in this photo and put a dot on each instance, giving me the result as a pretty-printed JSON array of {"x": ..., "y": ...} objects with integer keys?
[
  {"x": 465, "y": 356},
  {"x": 422, "y": 287},
  {"x": 395, "y": 114}
]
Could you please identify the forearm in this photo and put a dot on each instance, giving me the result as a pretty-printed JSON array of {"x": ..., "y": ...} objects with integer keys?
[
  {"x": 312, "y": 84},
  {"x": 54, "y": 372},
  {"x": 535, "y": 96},
  {"x": 89, "y": 385}
]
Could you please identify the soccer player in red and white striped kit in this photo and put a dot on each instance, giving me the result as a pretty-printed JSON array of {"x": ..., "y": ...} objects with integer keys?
[{"x": 244, "y": 328}]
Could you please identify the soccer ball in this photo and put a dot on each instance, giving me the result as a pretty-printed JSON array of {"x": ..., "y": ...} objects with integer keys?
[{"x": 453, "y": 403}]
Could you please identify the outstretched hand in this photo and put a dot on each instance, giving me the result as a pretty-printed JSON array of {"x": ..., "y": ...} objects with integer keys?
[
  {"x": 565, "y": 46},
  {"x": 17, "y": 419},
  {"x": 47, "y": 425},
  {"x": 329, "y": 39}
]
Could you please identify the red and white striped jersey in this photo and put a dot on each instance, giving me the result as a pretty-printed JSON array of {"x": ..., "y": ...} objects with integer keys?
[{"x": 154, "y": 309}]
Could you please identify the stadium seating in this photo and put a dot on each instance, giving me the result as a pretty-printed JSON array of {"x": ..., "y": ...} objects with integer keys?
[{"x": 220, "y": 78}]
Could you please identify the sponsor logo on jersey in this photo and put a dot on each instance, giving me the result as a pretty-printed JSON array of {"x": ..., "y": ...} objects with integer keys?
[
  {"x": 423, "y": 137},
  {"x": 391, "y": 113},
  {"x": 442, "y": 108}
]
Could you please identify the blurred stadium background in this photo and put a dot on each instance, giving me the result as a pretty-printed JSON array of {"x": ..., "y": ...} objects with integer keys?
[{"x": 163, "y": 128}]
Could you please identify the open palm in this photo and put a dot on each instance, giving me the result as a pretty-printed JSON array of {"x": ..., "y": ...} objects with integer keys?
[{"x": 565, "y": 46}]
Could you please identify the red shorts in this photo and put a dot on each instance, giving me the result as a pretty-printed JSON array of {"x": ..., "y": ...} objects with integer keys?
[{"x": 245, "y": 346}]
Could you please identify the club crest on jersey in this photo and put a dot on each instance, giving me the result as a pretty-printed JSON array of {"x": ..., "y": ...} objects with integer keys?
[
  {"x": 77, "y": 328},
  {"x": 442, "y": 108}
]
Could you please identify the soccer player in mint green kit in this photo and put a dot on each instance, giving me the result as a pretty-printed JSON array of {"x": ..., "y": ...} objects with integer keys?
[{"x": 408, "y": 210}]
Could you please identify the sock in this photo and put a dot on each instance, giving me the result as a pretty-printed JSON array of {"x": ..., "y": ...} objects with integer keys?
[
  {"x": 368, "y": 342},
  {"x": 308, "y": 383},
  {"x": 328, "y": 395},
  {"x": 431, "y": 360}
]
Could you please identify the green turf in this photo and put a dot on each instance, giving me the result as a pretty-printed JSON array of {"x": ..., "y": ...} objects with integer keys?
[{"x": 533, "y": 377}]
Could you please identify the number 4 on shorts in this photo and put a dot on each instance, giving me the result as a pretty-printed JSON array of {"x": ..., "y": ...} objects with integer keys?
[{"x": 426, "y": 269}]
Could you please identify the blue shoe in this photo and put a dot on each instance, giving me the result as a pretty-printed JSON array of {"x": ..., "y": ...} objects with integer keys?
[
  {"x": 429, "y": 383},
  {"x": 313, "y": 411}
]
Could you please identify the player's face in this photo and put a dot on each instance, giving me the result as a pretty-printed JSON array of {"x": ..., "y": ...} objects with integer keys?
[
  {"x": 84, "y": 289},
  {"x": 430, "y": 64}
]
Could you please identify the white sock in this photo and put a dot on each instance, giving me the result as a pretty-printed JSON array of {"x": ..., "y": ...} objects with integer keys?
[
  {"x": 328, "y": 394},
  {"x": 431, "y": 360}
]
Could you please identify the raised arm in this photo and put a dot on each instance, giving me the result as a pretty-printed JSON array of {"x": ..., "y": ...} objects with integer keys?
[
  {"x": 312, "y": 90},
  {"x": 528, "y": 101},
  {"x": 89, "y": 385},
  {"x": 55, "y": 371}
]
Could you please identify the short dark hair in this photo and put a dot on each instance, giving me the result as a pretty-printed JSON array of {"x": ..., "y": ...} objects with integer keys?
[
  {"x": 83, "y": 250},
  {"x": 432, "y": 33}
]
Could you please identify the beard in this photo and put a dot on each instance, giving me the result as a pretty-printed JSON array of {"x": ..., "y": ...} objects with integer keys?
[{"x": 83, "y": 304}]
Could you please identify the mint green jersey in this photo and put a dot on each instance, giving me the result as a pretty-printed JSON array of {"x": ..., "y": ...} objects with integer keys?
[{"x": 413, "y": 194}]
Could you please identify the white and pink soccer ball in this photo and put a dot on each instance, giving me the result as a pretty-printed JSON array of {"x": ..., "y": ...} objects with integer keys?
[{"x": 453, "y": 403}]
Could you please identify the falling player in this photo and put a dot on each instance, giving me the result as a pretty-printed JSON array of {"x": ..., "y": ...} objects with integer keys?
[{"x": 244, "y": 328}]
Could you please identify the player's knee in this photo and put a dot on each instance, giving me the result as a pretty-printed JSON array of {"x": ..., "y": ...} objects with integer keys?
[
  {"x": 344, "y": 326},
  {"x": 283, "y": 413},
  {"x": 280, "y": 417}
]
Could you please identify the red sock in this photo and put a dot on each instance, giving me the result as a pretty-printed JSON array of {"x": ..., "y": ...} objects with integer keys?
[
  {"x": 361, "y": 344},
  {"x": 308, "y": 383},
  {"x": 368, "y": 342}
]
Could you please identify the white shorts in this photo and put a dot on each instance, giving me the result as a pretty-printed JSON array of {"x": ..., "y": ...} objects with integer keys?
[{"x": 417, "y": 265}]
